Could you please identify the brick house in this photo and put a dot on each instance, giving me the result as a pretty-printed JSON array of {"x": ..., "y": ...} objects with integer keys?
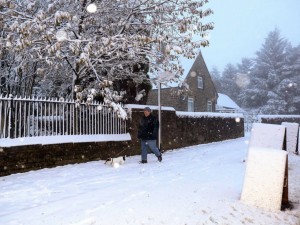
[{"x": 201, "y": 97}]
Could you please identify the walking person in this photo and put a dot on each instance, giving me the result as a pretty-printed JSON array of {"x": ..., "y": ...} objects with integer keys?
[{"x": 147, "y": 134}]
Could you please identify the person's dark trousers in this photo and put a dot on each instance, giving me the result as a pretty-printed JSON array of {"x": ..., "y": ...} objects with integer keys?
[{"x": 151, "y": 144}]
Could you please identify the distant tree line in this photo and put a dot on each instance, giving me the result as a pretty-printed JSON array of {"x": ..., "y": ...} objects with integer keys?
[{"x": 268, "y": 83}]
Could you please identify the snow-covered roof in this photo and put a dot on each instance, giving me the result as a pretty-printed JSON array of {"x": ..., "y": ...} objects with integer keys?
[{"x": 226, "y": 102}]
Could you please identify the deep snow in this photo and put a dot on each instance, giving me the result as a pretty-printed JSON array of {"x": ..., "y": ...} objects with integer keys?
[{"x": 195, "y": 185}]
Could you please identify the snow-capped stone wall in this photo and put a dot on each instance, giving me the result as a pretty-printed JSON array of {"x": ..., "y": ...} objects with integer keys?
[
  {"x": 278, "y": 119},
  {"x": 177, "y": 131}
]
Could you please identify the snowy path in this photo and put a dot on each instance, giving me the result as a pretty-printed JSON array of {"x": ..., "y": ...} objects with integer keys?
[{"x": 195, "y": 185}]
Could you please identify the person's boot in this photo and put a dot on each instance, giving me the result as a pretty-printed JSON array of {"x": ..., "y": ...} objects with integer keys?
[
  {"x": 143, "y": 161},
  {"x": 159, "y": 158}
]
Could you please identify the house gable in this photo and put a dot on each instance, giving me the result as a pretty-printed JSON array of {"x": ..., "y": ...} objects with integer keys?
[
  {"x": 201, "y": 90},
  {"x": 202, "y": 93}
]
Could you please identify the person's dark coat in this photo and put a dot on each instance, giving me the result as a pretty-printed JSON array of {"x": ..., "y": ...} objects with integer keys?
[{"x": 148, "y": 128}]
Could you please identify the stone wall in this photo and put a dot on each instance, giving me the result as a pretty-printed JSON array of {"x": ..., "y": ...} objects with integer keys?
[
  {"x": 177, "y": 132},
  {"x": 32, "y": 157},
  {"x": 278, "y": 119}
]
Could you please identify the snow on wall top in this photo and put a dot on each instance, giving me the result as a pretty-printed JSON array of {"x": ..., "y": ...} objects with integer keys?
[
  {"x": 46, "y": 140},
  {"x": 277, "y": 116},
  {"x": 152, "y": 107},
  {"x": 209, "y": 114}
]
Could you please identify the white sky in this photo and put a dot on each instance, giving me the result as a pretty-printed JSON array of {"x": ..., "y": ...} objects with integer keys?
[{"x": 241, "y": 27}]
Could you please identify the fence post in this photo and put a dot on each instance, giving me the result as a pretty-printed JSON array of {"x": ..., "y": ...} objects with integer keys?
[
  {"x": 76, "y": 122},
  {"x": 10, "y": 117}
]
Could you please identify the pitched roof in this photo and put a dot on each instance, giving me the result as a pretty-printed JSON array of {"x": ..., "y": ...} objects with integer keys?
[
  {"x": 226, "y": 102},
  {"x": 187, "y": 65}
]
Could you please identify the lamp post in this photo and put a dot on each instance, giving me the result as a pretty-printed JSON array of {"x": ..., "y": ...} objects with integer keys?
[
  {"x": 163, "y": 77},
  {"x": 159, "y": 115}
]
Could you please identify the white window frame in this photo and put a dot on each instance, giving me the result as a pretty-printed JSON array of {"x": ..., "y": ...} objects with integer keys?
[
  {"x": 209, "y": 106},
  {"x": 200, "y": 82},
  {"x": 191, "y": 105}
]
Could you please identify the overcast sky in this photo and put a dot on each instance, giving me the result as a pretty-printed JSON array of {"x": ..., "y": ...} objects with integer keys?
[{"x": 241, "y": 27}]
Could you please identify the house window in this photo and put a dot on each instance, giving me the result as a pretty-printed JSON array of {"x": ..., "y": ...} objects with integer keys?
[
  {"x": 191, "y": 104},
  {"x": 200, "y": 82},
  {"x": 209, "y": 106}
]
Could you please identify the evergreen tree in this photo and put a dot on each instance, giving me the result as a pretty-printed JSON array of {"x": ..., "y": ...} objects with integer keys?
[
  {"x": 288, "y": 89},
  {"x": 270, "y": 59},
  {"x": 216, "y": 78},
  {"x": 228, "y": 82},
  {"x": 244, "y": 71},
  {"x": 267, "y": 74},
  {"x": 269, "y": 83}
]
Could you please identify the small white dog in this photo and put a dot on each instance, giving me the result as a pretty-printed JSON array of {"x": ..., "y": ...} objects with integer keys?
[{"x": 116, "y": 161}]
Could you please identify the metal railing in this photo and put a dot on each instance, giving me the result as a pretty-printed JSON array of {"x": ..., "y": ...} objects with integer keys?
[{"x": 31, "y": 117}]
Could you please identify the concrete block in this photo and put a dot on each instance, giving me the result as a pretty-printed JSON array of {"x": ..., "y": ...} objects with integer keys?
[
  {"x": 267, "y": 136},
  {"x": 292, "y": 130},
  {"x": 264, "y": 178}
]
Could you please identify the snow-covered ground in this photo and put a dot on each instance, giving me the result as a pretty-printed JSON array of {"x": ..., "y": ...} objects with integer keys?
[{"x": 195, "y": 185}]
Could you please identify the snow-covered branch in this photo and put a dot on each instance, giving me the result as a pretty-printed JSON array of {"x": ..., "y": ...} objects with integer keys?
[{"x": 113, "y": 42}]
